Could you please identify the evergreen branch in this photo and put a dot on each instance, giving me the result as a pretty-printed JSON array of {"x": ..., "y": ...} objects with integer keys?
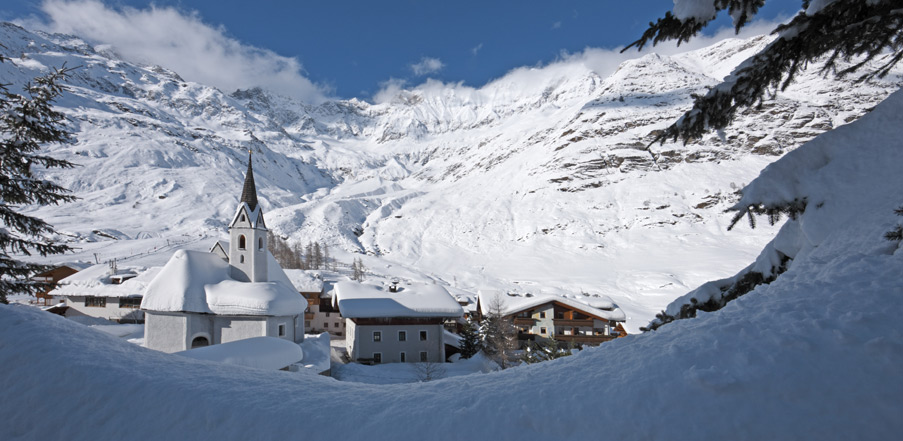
[
  {"x": 841, "y": 31},
  {"x": 672, "y": 28}
]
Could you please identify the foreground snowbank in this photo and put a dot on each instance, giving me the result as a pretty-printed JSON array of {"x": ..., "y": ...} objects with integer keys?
[
  {"x": 848, "y": 177},
  {"x": 816, "y": 354}
]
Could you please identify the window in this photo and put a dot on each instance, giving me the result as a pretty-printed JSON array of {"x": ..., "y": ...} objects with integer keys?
[
  {"x": 98, "y": 302},
  {"x": 242, "y": 242},
  {"x": 542, "y": 331},
  {"x": 377, "y": 336},
  {"x": 327, "y": 314},
  {"x": 402, "y": 357},
  {"x": 130, "y": 302},
  {"x": 282, "y": 330},
  {"x": 335, "y": 325},
  {"x": 343, "y": 324},
  {"x": 542, "y": 314},
  {"x": 242, "y": 219},
  {"x": 259, "y": 243},
  {"x": 377, "y": 357},
  {"x": 402, "y": 336},
  {"x": 241, "y": 259},
  {"x": 422, "y": 335},
  {"x": 424, "y": 357}
]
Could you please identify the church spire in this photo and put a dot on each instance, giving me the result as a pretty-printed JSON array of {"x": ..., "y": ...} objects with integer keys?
[{"x": 249, "y": 191}]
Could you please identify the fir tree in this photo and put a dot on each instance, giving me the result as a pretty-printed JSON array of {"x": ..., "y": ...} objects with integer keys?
[
  {"x": 499, "y": 333},
  {"x": 545, "y": 350},
  {"x": 838, "y": 31},
  {"x": 357, "y": 270},
  {"x": 470, "y": 340},
  {"x": 28, "y": 121},
  {"x": 317, "y": 256}
]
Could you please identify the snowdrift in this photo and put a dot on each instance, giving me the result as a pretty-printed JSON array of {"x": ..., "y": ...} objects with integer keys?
[{"x": 816, "y": 354}]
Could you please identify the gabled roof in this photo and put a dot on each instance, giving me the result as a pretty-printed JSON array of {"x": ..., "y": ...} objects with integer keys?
[
  {"x": 516, "y": 303},
  {"x": 357, "y": 300},
  {"x": 195, "y": 281}
]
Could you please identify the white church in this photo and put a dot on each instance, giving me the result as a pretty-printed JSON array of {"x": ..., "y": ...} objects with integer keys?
[{"x": 234, "y": 292}]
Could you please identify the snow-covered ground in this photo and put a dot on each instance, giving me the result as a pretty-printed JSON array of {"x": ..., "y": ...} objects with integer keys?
[{"x": 814, "y": 355}]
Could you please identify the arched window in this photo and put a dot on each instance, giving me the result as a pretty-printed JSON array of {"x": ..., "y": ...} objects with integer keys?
[
  {"x": 242, "y": 219},
  {"x": 199, "y": 342},
  {"x": 241, "y": 242},
  {"x": 241, "y": 259},
  {"x": 260, "y": 243}
]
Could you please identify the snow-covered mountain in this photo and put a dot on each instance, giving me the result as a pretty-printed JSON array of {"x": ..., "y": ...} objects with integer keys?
[{"x": 537, "y": 181}]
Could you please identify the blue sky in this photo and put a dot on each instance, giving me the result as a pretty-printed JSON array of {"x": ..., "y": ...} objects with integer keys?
[{"x": 353, "y": 48}]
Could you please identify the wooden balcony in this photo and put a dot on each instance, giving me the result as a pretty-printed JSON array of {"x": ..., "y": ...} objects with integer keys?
[
  {"x": 526, "y": 321},
  {"x": 564, "y": 323},
  {"x": 585, "y": 339},
  {"x": 308, "y": 316}
]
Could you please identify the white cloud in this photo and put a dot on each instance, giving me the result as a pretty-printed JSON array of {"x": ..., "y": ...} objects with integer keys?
[
  {"x": 556, "y": 25},
  {"x": 388, "y": 90},
  {"x": 426, "y": 66},
  {"x": 182, "y": 42},
  {"x": 476, "y": 49},
  {"x": 528, "y": 80}
]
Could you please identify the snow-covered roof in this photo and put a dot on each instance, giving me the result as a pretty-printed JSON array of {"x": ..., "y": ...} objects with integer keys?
[
  {"x": 514, "y": 303},
  {"x": 357, "y": 300},
  {"x": 256, "y": 352},
  {"x": 195, "y": 281},
  {"x": 304, "y": 281},
  {"x": 96, "y": 280}
]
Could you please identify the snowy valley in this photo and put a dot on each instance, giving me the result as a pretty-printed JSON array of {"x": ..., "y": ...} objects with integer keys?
[{"x": 537, "y": 181}]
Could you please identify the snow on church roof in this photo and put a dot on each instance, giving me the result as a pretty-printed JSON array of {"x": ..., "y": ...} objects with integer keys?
[
  {"x": 196, "y": 281},
  {"x": 514, "y": 303},
  {"x": 358, "y": 300}
]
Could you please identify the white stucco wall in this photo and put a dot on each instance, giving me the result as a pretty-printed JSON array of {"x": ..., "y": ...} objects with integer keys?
[
  {"x": 350, "y": 338},
  {"x": 165, "y": 331},
  {"x": 228, "y": 328},
  {"x": 272, "y": 328},
  {"x": 391, "y": 348}
]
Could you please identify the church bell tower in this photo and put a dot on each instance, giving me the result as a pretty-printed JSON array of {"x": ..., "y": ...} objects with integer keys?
[{"x": 248, "y": 235}]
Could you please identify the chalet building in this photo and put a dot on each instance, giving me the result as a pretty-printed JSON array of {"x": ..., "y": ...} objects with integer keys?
[
  {"x": 320, "y": 315},
  {"x": 51, "y": 277},
  {"x": 586, "y": 320},
  {"x": 405, "y": 326},
  {"x": 234, "y": 292},
  {"x": 105, "y": 291}
]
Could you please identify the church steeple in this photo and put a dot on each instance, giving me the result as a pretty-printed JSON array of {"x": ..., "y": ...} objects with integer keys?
[
  {"x": 248, "y": 235},
  {"x": 249, "y": 191}
]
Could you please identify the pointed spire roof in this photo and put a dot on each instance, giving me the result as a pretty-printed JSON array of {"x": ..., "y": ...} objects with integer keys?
[{"x": 249, "y": 191}]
